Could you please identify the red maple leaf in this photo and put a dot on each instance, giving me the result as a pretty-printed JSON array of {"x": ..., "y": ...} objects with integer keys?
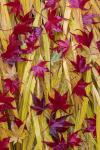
[
  {"x": 80, "y": 64},
  {"x": 98, "y": 68},
  {"x": 84, "y": 39},
  {"x": 39, "y": 104},
  {"x": 79, "y": 88},
  {"x": 58, "y": 125},
  {"x": 12, "y": 48},
  {"x": 11, "y": 85},
  {"x": 4, "y": 144},
  {"x": 63, "y": 47},
  {"x": 91, "y": 125},
  {"x": 53, "y": 23},
  {"x": 5, "y": 102},
  {"x": 51, "y": 4},
  {"x": 13, "y": 52},
  {"x": 78, "y": 4},
  {"x": 98, "y": 45},
  {"x": 40, "y": 69},
  {"x": 3, "y": 118},
  {"x": 31, "y": 40},
  {"x": 22, "y": 28},
  {"x": 16, "y": 7},
  {"x": 27, "y": 18},
  {"x": 59, "y": 102},
  {"x": 73, "y": 140},
  {"x": 57, "y": 144},
  {"x": 18, "y": 122}
]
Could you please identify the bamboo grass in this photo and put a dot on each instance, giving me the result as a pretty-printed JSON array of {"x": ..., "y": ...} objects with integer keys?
[{"x": 60, "y": 77}]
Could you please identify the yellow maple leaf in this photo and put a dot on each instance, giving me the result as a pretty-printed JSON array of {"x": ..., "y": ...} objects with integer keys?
[{"x": 17, "y": 134}]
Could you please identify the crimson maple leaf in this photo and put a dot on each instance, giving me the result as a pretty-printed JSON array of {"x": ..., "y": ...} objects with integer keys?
[
  {"x": 3, "y": 118},
  {"x": 91, "y": 125},
  {"x": 16, "y": 7},
  {"x": 98, "y": 68},
  {"x": 40, "y": 69},
  {"x": 31, "y": 40},
  {"x": 4, "y": 144},
  {"x": 63, "y": 47},
  {"x": 58, "y": 125},
  {"x": 53, "y": 23},
  {"x": 59, "y": 102},
  {"x": 51, "y": 4},
  {"x": 27, "y": 18},
  {"x": 84, "y": 39},
  {"x": 39, "y": 104},
  {"x": 5, "y": 102},
  {"x": 11, "y": 85},
  {"x": 78, "y": 4},
  {"x": 22, "y": 28},
  {"x": 73, "y": 140},
  {"x": 98, "y": 45},
  {"x": 18, "y": 121},
  {"x": 13, "y": 51},
  {"x": 57, "y": 144},
  {"x": 80, "y": 64},
  {"x": 79, "y": 88}
]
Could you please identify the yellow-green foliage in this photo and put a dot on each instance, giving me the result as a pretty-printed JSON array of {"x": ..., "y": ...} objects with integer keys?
[{"x": 61, "y": 77}]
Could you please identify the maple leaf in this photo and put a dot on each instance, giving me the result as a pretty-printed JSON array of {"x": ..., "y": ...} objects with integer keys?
[
  {"x": 18, "y": 122},
  {"x": 51, "y": 4},
  {"x": 39, "y": 105},
  {"x": 59, "y": 102},
  {"x": 57, "y": 144},
  {"x": 98, "y": 68},
  {"x": 11, "y": 85},
  {"x": 40, "y": 69},
  {"x": 91, "y": 125},
  {"x": 58, "y": 125},
  {"x": 35, "y": 35},
  {"x": 27, "y": 18},
  {"x": 12, "y": 47},
  {"x": 63, "y": 47},
  {"x": 5, "y": 102},
  {"x": 6, "y": 99},
  {"x": 73, "y": 140},
  {"x": 79, "y": 89},
  {"x": 98, "y": 45},
  {"x": 3, "y": 118},
  {"x": 13, "y": 51},
  {"x": 78, "y": 4},
  {"x": 32, "y": 40},
  {"x": 17, "y": 134},
  {"x": 22, "y": 28},
  {"x": 4, "y": 144},
  {"x": 53, "y": 23},
  {"x": 16, "y": 7},
  {"x": 88, "y": 19},
  {"x": 84, "y": 39},
  {"x": 80, "y": 64}
]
